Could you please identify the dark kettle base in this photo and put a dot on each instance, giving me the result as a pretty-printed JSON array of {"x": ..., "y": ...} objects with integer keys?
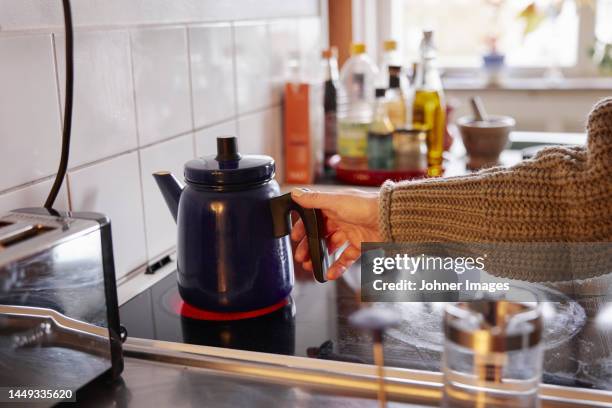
[
  {"x": 196, "y": 299},
  {"x": 271, "y": 333}
]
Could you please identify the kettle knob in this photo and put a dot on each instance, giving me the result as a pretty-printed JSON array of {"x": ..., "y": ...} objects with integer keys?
[{"x": 227, "y": 149}]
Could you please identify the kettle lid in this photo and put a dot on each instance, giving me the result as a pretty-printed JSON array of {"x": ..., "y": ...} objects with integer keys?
[{"x": 228, "y": 167}]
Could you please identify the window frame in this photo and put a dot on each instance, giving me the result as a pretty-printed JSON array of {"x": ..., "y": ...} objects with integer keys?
[{"x": 374, "y": 21}]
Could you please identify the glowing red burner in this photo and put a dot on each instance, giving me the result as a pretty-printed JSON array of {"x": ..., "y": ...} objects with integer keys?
[{"x": 180, "y": 307}]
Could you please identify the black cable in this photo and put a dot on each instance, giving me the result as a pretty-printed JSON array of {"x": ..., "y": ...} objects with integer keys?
[{"x": 63, "y": 165}]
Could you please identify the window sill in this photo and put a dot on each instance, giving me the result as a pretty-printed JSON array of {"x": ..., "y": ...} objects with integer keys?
[{"x": 529, "y": 84}]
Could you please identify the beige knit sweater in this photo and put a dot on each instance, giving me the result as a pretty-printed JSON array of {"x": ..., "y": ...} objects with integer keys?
[{"x": 563, "y": 194}]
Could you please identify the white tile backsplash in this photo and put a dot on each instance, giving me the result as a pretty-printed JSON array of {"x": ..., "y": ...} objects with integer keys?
[
  {"x": 211, "y": 51},
  {"x": 311, "y": 45},
  {"x": 33, "y": 195},
  {"x": 206, "y": 139},
  {"x": 104, "y": 119},
  {"x": 156, "y": 83},
  {"x": 159, "y": 224},
  {"x": 17, "y": 14},
  {"x": 161, "y": 77},
  {"x": 112, "y": 187},
  {"x": 30, "y": 127},
  {"x": 260, "y": 133},
  {"x": 284, "y": 47},
  {"x": 253, "y": 67}
]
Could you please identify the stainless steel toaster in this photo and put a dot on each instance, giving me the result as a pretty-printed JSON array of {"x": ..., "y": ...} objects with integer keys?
[{"x": 59, "y": 319}]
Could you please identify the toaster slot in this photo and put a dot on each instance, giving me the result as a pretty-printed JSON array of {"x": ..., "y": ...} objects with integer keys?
[
  {"x": 5, "y": 224},
  {"x": 23, "y": 234}
]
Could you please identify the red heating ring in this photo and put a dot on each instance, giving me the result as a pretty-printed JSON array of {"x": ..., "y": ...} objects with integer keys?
[{"x": 179, "y": 306}]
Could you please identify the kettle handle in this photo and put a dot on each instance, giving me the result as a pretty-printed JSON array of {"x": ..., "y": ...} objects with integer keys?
[{"x": 281, "y": 207}]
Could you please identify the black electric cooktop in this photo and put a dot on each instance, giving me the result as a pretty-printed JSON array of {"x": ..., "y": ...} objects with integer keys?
[{"x": 314, "y": 323}]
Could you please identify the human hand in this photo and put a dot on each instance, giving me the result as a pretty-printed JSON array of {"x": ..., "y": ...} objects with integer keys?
[{"x": 349, "y": 216}]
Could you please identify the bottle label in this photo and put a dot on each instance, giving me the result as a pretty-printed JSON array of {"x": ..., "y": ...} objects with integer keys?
[
  {"x": 380, "y": 150},
  {"x": 331, "y": 128},
  {"x": 358, "y": 90},
  {"x": 397, "y": 113},
  {"x": 352, "y": 139}
]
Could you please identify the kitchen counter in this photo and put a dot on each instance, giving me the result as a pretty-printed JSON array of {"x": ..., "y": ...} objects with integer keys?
[
  {"x": 153, "y": 384},
  {"x": 529, "y": 84},
  {"x": 313, "y": 334},
  {"x": 173, "y": 375}
]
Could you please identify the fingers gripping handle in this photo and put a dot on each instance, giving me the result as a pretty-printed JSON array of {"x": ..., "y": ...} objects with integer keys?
[{"x": 313, "y": 222}]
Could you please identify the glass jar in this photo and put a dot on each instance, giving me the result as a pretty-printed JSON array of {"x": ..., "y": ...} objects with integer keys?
[
  {"x": 410, "y": 149},
  {"x": 492, "y": 354}
]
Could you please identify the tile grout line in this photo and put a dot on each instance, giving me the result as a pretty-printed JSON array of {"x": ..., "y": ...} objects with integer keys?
[
  {"x": 235, "y": 79},
  {"x": 191, "y": 98},
  {"x": 50, "y": 28},
  {"x": 133, "y": 79},
  {"x": 138, "y": 147}
]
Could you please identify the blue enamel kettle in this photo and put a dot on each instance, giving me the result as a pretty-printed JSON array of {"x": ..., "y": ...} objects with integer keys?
[{"x": 233, "y": 247}]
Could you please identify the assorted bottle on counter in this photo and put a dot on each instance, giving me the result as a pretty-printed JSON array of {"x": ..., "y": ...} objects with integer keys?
[
  {"x": 380, "y": 135},
  {"x": 330, "y": 97},
  {"x": 355, "y": 106},
  {"x": 429, "y": 112},
  {"x": 383, "y": 120}
]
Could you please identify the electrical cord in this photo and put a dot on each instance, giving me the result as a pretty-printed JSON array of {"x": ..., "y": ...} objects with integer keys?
[{"x": 63, "y": 165}]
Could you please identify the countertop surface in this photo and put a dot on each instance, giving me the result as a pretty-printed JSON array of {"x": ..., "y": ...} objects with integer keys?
[{"x": 152, "y": 384}]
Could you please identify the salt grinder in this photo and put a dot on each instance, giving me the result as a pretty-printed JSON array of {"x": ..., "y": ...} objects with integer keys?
[
  {"x": 376, "y": 320},
  {"x": 492, "y": 354}
]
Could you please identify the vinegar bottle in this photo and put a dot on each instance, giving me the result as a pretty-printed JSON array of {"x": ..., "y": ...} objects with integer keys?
[
  {"x": 396, "y": 98},
  {"x": 428, "y": 110},
  {"x": 330, "y": 91}
]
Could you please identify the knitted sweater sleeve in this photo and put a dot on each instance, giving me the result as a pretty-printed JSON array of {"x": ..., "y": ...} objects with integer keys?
[{"x": 561, "y": 195}]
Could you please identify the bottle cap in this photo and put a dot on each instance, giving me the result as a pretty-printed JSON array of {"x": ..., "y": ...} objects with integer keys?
[
  {"x": 390, "y": 45},
  {"x": 394, "y": 70},
  {"x": 380, "y": 92},
  {"x": 331, "y": 52},
  {"x": 394, "y": 81},
  {"x": 358, "y": 48}
]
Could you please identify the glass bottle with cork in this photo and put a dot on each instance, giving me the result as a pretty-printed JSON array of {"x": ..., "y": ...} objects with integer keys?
[
  {"x": 380, "y": 135},
  {"x": 428, "y": 111}
]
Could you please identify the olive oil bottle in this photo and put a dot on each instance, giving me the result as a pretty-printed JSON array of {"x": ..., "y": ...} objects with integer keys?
[{"x": 428, "y": 109}]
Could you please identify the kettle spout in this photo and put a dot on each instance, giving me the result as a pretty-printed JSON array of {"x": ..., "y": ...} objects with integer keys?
[{"x": 170, "y": 188}]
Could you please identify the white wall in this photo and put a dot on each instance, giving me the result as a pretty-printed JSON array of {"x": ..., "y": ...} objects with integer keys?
[{"x": 155, "y": 82}]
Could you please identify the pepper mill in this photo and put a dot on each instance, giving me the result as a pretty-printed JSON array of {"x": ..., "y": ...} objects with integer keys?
[{"x": 376, "y": 320}]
